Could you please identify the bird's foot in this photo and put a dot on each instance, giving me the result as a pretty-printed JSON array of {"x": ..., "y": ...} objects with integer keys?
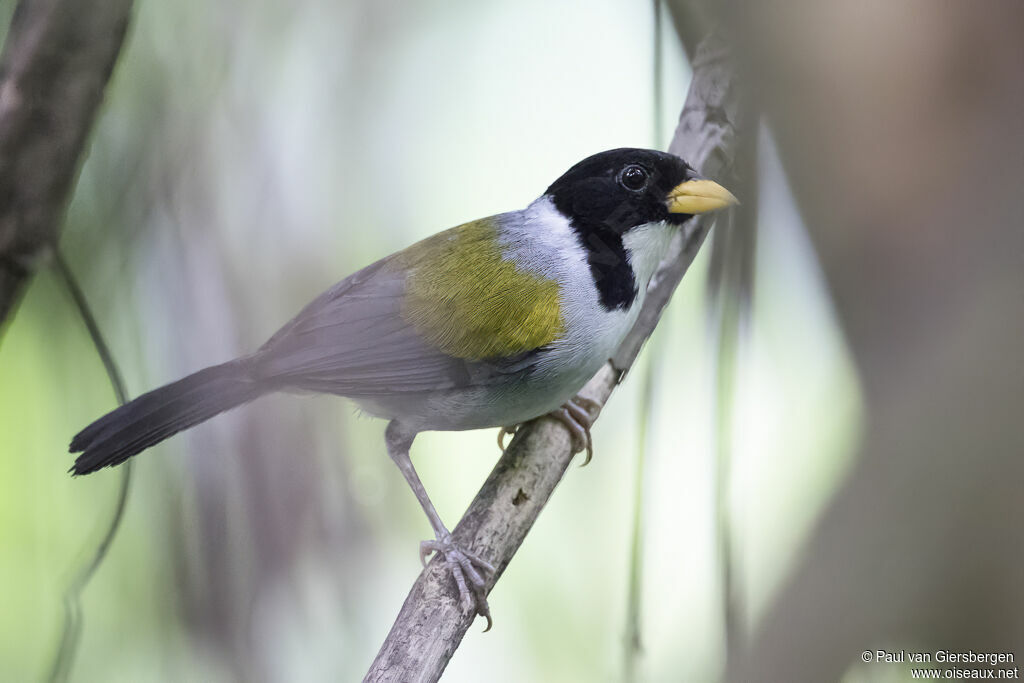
[
  {"x": 468, "y": 570},
  {"x": 575, "y": 415},
  {"x": 503, "y": 432}
]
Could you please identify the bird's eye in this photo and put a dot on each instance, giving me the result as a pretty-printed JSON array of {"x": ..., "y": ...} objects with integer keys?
[{"x": 633, "y": 178}]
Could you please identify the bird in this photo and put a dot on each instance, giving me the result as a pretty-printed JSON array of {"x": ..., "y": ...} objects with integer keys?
[{"x": 488, "y": 324}]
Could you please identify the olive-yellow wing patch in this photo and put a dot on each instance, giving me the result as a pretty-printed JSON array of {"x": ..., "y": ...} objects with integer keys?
[{"x": 469, "y": 301}]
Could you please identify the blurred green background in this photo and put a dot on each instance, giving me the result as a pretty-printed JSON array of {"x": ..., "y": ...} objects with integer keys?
[{"x": 249, "y": 155}]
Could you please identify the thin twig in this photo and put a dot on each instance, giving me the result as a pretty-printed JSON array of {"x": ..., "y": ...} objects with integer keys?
[
  {"x": 73, "y": 620},
  {"x": 431, "y": 623},
  {"x": 62, "y": 269}
]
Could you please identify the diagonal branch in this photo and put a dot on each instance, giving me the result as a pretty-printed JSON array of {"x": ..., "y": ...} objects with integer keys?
[
  {"x": 55, "y": 65},
  {"x": 431, "y": 623}
]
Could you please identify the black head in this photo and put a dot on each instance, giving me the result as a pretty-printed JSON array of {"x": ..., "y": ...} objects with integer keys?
[
  {"x": 608, "y": 194},
  {"x": 620, "y": 189}
]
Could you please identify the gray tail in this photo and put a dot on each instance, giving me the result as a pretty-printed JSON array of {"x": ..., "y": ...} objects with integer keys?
[{"x": 163, "y": 412}]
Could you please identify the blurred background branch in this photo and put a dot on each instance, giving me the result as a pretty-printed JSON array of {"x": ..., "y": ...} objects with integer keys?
[
  {"x": 431, "y": 623},
  {"x": 730, "y": 293},
  {"x": 691, "y": 21},
  {"x": 56, "y": 61},
  {"x": 900, "y": 127}
]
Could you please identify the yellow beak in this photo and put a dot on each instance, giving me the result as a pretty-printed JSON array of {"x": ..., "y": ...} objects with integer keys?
[{"x": 699, "y": 196}]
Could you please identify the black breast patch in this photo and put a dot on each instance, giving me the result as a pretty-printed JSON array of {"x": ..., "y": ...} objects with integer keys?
[{"x": 609, "y": 266}]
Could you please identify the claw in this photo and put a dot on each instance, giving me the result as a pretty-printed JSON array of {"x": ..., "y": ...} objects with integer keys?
[
  {"x": 484, "y": 610},
  {"x": 425, "y": 551},
  {"x": 582, "y": 418},
  {"x": 575, "y": 415},
  {"x": 503, "y": 432},
  {"x": 466, "y": 568}
]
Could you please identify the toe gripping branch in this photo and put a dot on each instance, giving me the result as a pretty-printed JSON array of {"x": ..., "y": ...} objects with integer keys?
[
  {"x": 575, "y": 414},
  {"x": 469, "y": 570}
]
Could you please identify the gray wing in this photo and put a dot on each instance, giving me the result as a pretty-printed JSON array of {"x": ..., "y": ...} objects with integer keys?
[{"x": 352, "y": 340}]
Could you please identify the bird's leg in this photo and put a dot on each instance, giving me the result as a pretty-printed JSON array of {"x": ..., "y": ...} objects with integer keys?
[
  {"x": 575, "y": 415},
  {"x": 466, "y": 567}
]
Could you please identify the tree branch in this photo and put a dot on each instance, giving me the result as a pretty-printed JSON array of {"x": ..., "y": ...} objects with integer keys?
[
  {"x": 431, "y": 623},
  {"x": 56, "y": 62},
  {"x": 706, "y": 138}
]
